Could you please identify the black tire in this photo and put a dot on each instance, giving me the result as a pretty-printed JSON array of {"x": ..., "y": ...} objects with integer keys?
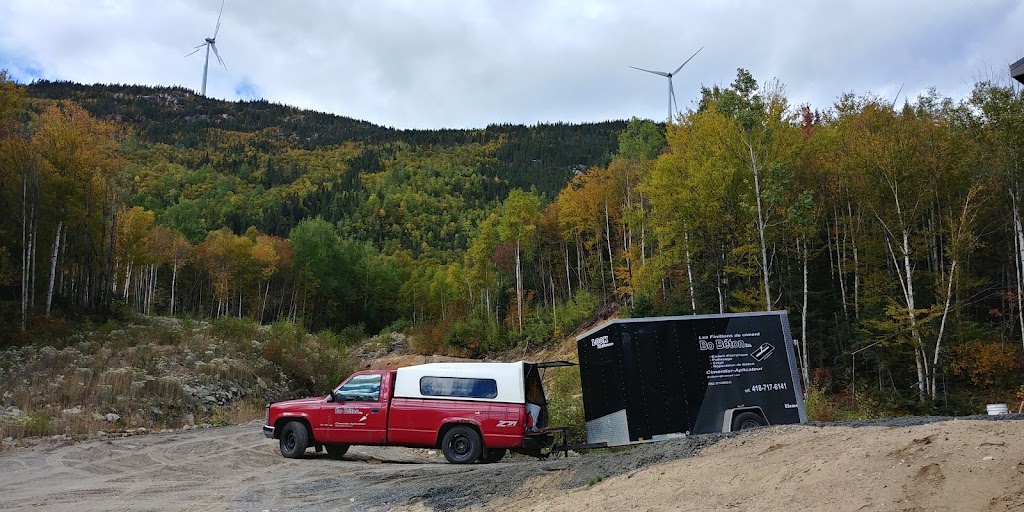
[
  {"x": 493, "y": 456},
  {"x": 336, "y": 451},
  {"x": 294, "y": 440},
  {"x": 747, "y": 420},
  {"x": 461, "y": 445}
]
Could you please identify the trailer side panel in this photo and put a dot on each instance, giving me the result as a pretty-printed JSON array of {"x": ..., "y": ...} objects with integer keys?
[{"x": 647, "y": 378}]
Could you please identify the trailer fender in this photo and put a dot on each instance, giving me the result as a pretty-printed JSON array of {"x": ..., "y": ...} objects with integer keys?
[{"x": 743, "y": 415}]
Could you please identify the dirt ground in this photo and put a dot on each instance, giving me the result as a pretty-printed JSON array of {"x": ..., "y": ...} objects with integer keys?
[{"x": 963, "y": 464}]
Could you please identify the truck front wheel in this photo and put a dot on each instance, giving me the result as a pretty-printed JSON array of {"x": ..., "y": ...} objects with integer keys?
[
  {"x": 461, "y": 445},
  {"x": 294, "y": 440},
  {"x": 747, "y": 420}
]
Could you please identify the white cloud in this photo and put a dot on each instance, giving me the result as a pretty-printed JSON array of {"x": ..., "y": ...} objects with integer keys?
[{"x": 468, "y": 63}]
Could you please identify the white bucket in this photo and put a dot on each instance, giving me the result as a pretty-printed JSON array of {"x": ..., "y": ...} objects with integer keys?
[{"x": 997, "y": 409}]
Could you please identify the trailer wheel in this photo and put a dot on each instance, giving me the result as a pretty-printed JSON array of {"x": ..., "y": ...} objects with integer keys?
[
  {"x": 493, "y": 456},
  {"x": 336, "y": 450},
  {"x": 747, "y": 420},
  {"x": 294, "y": 440},
  {"x": 461, "y": 445}
]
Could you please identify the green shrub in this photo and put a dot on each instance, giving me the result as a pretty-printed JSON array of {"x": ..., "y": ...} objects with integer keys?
[
  {"x": 400, "y": 325},
  {"x": 313, "y": 363},
  {"x": 37, "y": 424},
  {"x": 820, "y": 406},
  {"x": 352, "y": 334},
  {"x": 571, "y": 314},
  {"x": 565, "y": 403},
  {"x": 642, "y": 307},
  {"x": 469, "y": 336},
  {"x": 429, "y": 339},
  {"x": 234, "y": 329},
  {"x": 287, "y": 332}
]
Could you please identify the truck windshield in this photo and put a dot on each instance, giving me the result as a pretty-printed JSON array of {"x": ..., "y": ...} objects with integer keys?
[{"x": 361, "y": 388}]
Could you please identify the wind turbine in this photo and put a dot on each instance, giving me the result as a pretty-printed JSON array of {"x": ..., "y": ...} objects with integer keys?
[
  {"x": 671, "y": 92},
  {"x": 211, "y": 42}
]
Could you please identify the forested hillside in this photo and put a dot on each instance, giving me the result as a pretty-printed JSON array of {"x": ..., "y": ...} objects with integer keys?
[{"x": 889, "y": 231}]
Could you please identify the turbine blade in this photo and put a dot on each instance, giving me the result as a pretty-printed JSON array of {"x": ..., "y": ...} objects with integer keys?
[
  {"x": 672, "y": 93},
  {"x": 200, "y": 47},
  {"x": 218, "y": 20},
  {"x": 662, "y": 73},
  {"x": 687, "y": 60},
  {"x": 897, "y": 96},
  {"x": 214, "y": 46}
]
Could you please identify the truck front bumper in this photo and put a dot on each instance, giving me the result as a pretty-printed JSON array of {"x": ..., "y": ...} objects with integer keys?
[{"x": 268, "y": 431}]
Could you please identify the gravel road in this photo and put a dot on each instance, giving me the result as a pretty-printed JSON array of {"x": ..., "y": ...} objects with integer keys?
[{"x": 236, "y": 468}]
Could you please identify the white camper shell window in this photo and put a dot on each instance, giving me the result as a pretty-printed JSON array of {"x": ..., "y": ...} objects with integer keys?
[{"x": 458, "y": 386}]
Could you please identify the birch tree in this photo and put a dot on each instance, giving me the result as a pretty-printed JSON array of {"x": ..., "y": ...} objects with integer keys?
[{"x": 517, "y": 225}]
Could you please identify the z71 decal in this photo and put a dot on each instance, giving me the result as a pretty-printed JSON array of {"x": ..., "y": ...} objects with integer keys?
[{"x": 507, "y": 423}]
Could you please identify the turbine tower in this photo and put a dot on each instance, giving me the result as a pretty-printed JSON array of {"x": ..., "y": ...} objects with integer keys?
[
  {"x": 211, "y": 42},
  {"x": 671, "y": 92}
]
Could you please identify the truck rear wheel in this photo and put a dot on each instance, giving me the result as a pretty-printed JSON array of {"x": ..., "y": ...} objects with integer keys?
[
  {"x": 294, "y": 440},
  {"x": 461, "y": 445},
  {"x": 746, "y": 420},
  {"x": 336, "y": 450}
]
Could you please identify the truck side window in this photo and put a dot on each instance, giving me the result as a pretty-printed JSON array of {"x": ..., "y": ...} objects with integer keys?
[{"x": 362, "y": 388}]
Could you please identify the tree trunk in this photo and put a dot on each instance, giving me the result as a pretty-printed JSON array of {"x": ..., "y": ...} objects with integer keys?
[
  {"x": 554, "y": 311},
  {"x": 33, "y": 243},
  {"x": 856, "y": 262},
  {"x": 608, "y": 238},
  {"x": 719, "y": 282},
  {"x": 24, "y": 249},
  {"x": 579, "y": 262},
  {"x": 689, "y": 272},
  {"x": 152, "y": 291},
  {"x": 108, "y": 267},
  {"x": 53, "y": 268},
  {"x": 568, "y": 279},
  {"x": 519, "y": 288},
  {"x": 942, "y": 326},
  {"x": 907, "y": 281},
  {"x": 264, "y": 306},
  {"x": 174, "y": 283},
  {"x": 840, "y": 256},
  {"x": 1018, "y": 231},
  {"x": 805, "y": 255},
  {"x": 63, "y": 257},
  {"x": 761, "y": 229},
  {"x": 127, "y": 279}
]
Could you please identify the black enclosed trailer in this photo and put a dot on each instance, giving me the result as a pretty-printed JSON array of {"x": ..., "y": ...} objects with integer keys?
[{"x": 653, "y": 378}]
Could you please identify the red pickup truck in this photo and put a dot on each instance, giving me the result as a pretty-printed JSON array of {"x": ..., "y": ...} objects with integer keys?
[{"x": 471, "y": 411}]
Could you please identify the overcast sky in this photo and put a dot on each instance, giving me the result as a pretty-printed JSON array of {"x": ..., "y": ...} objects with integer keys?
[{"x": 470, "y": 63}]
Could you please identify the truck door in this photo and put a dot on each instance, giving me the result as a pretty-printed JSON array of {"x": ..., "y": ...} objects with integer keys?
[{"x": 359, "y": 411}]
